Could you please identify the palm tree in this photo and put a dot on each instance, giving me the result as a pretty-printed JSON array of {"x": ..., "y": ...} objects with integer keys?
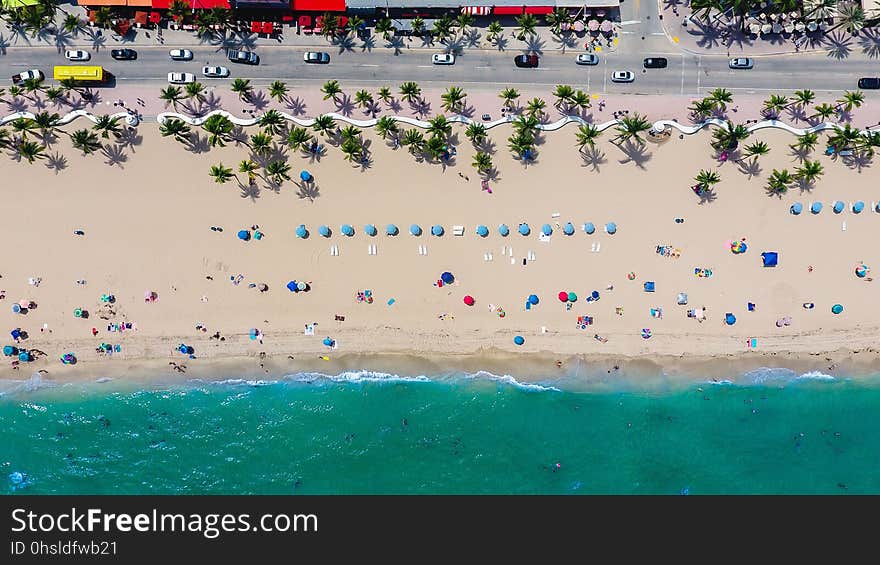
[
  {"x": 5, "y": 139},
  {"x": 526, "y": 24},
  {"x": 536, "y": 106},
  {"x": 220, "y": 129},
  {"x": 779, "y": 181},
  {"x": 701, "y": 108},
  {"x": 464, "y": 21},
  {"x": 30, "y": 150},
  {"x": 46, "y": 122},
  {"x": 72, "y": 24},
  {"x": 278, "y": 90},
  {"x": 261, "y": 144},
  {"x": 494, "y": 30},
  {"x": 23, "y": 126},
  {"x": 476, "y": 133},
  {"x": 443, "y": 27},
  {"x": 103, "y": 15},
  {"x": 720, "y": 98},
  {"x": 803, "y": 97},
  {"x": 563, "y": 94},
  {"x": 331, "y": 89},
  {"x": 363, "y": 98},
  {"x": 527, "y": 124},
  {"x": 414, "y": 139},
  {"x": 179, "y": 10},
  {"x": 755, "y": 150},
  {"x": 587, "y": 135},
  {"x": 298, "y": 138},
  {"x": 729, "y": 137},
  {"x": 556, "y": 18},
  {"x": 851, "y": 17},
  {"x": 824, "y": 110},
  {"x": 631, "y": 126},
  {"x": 581, "y": 99},
  {"x": 384, "y": 26},
  {"x": 351, "y": 149},
  {"x": 410, "y": 91},
  {"x": 324, "y": 125},
  {"x": 850, "y": 100},
  {"x": 418, "y": 26},
  {"x": 453, "y": 98},
  {"x": 172, "y": 95},
  {"x": 272, "y": 122},
  {"x": 384, "y": 94},
  {"x": 809, "y": 172},
  {"x": 278, "y": 171},
  {"x": 775, "y": 104},
  {"x": 220, "y": 174},
  {"x": 707, "y": 179},
  {"x": 846, "y": 137},
  {"x": 195, "y": 90},
  {"x": 482, "y": 162},
  {"x": 439, "y": 126},
  {"x": 107, "y": 125},
  {"x": 435, "y": 146},
  {"x": 385, "y": 126},
  {"x": 350, "y": 132},
  {"x": 806, "y": 143},
  {"x": 249, "y": 168},
  {"x": 85, "y": 140},
  {"x": 520, "y": 143},
  {"x": 509, "y": 95},
  {"x": 32, "y": 85},
  {"x": 354, "y": 22},
  {"x": 175, "y": 127},
  {"x": 243, "y": 88},
  {"x": 53, "y": 94},
  {"x": 331, "y": 24}
]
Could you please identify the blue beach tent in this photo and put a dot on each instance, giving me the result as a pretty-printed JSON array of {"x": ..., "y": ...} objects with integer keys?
[
  {"x": 347, "y": 230},
  {"x": 324, "y": 231},
  {"x": 796, "y": 208},
  {"x": 391, "y": 229},
  {"x": 415, "y": 229},
  {"x": 771, "y": 258},
  {"x": 590, "y": 228}
]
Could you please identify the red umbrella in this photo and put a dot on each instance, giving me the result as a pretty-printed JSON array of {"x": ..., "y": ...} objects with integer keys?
[
  {"x": 469, "y": 300},
  {"x": 563, "y": 296},
  {"x": 255, "y": 27}
]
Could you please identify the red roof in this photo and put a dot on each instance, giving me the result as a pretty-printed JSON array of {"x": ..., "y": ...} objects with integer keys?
[
  {"x": 507, "y": 10},
  {"x": 195, "y": 4},
  {"x": 539, "y": 9},
  {"x": 318, "y": 5}
]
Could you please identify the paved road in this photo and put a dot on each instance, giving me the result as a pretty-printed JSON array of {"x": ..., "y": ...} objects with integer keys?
[{"x": 686, "y": 74}]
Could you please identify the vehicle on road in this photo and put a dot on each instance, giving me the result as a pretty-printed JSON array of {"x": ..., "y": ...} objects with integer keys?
[
  {"x": 181, "y": 78},
  {"x": 124, "y": 54},
  {"x": 77, "y": 55},
  {"x": 246, "y": 57},
  {"x": 526, "y": 61},
  {"x": 587, "y": 59},
  {"x": 622, "y": 76},
  {"x": 319, "y": 57},
  {"x": 83, "y": 74},
  {"x": 655, "y": 63},
  {"x": 443, "y": 59},
  {"x": 25, "y": 75},
  {"x": 181, "y": 54},
  {"x": 869, "y": 83},
  {"x": 215, "y": 72},
  {"x": 741, "y": 63}
]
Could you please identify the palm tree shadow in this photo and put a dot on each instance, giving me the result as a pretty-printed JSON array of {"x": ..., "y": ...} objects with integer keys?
[
  {"x": 308, "y": 190},
  {"x": 869, "y": 39},
  {"x": 708, "y": 36},
  {"x": 857, "y": 161},
  {"x": 797, "y": 112},
  {"x": 115, "y": 155},
  {"x": 468, "y": 111},
  {"x": 130, "y": 138},
  {"x": 344, "y": 105},
  {"x": 394, "y": 105},
  {"x": 593, "y": 157},
  {"x": 198, "y": 144},
  {"x": 258, "y": 100},
  {"x": 344, "y": 42},
  {"x": 844, "y": 116},
  {"x": 366, "y": 162},
  {"x": 838, "y": 45},
  {"x": 635, "y": 153},
  {"x": 567, "y": 41},
  {"x": 56, "y": 162},
  {"x": 427, "y": 40},
  {"x": 501, "y": 42},
  {"x": 315, "y": 156},
  {"x": 708, "y": 196},
  {"x": 297, "y": 106},
  {"x": 804, "y": 186},
  {"x": 751, "y": 168},
  {"x": 421, "y": 108},
  {"x": 211, "y": 102},
  {"x": 472, "y": 37},
  {"x": 368, "y": 44},
  {"x": 251, "y": 190},
  {"x": 395, "y": 43},
  {"x": 535, "y": 44},
  {"x": 98, "y": 42},
  {"x": 63, "y": 40},
  {"x": 4, "y": 44},
  {"x": 17, "y": 104},
  {"x": 487, "y": 146}
]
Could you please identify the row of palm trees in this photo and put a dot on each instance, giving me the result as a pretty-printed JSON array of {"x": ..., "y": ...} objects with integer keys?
[
  {"x": 30, "y": 137},
  {"x": 849, "y": 13}
]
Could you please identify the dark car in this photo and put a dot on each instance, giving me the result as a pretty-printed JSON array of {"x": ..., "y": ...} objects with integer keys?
[
  {"x": 124, "y": 54},
  {"x": 655, "y": 63},
  {"x": 869, "y": 83},
  {"x": 527, "y": 61},
  {"x": 246, "y": 57}
]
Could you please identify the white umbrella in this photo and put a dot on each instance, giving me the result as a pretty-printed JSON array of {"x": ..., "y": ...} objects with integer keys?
[
  {"x": 823, "y": 26},
  {"x": 800, "y": 27},
  {"x": 754, "y": 28},
  {"x": 812, "y": 26},
  {"x": 777, "y": 28},
  {"x": 789, "y": 28},
  {"x": 766, "y": 28}
]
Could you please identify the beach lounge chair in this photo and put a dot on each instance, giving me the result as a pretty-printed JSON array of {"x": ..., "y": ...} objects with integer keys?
[
  {"x": 649, "y": 286},
  {"x": 457, "y": 230}
]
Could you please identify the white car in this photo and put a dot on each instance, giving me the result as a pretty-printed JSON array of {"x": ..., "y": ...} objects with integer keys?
[
  {"x": 181, "y": 54},
  {"x": 741, "y": 63},
  {"x": 622, "y": 76},
  {"x": 215, "y": 72},
  {"x": 181, "y": 78},
  {"x": 443, "y": 59},
  {"x": 77, "y": 55},
  {"x": 587, "y": 59}
]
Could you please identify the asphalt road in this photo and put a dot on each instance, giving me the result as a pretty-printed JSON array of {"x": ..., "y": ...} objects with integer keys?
[{"x": 686, "y": 74}]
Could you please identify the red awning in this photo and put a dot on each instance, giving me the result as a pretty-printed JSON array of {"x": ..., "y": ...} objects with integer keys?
[
  {"x": 538, "y": 10},
  {"x": 507, "y": 10},
  {"x": 476, "y": 10},
  {"x": 318, "y": 5},
  {"x": 194, "y": 4}
]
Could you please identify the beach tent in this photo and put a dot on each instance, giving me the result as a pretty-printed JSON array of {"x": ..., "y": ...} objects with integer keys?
[
  {"x": 324, "y": 231},
  {"x": 594, "y": 295},
  {"x": 649, "y": 286},
  {"x": 524, "y": 229},
  {"x": 589, "y": 228},
  {"x": 796, "y": 208},
  {"x": 533, "y": 299},
  {"x": 729, "y": 319},
  {"x": 391, "y": 229},
  {"x": 291, "y": 286},
  {"x": 415, "y": 229},
  {"x": 482, "y": 231},
  {"x": 347, "y": 230},
  {"x": 437, "y": 230},
  {"x": 546, "y": 229},
  {"x": 771, "y": 258},
  {"x": 503, "y": 230},
  {"x": 519, "y": 340},
  {"x": 858, "y": 207},
  {"x": 838, "y": 207},
  {"x": 611, "y": 228},
  {"x": 306, "y": 176},
  {"x": 447, "y": 278},
  {"x": 370, "y": 230},
  {"x": 302, "y": 232},
  {"x": 244, "y": 235},
  {"x": 568, "y": 229},
  {"x": 469, "y": 300},
  {"x": 816, "y": 207}
]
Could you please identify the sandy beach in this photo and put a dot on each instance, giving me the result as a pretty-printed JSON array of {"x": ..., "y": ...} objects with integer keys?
[{"x": 147, "y": 219}]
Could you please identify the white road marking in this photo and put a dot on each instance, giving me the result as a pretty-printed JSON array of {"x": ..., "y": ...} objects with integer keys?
[
  {"x": 630, "y": 22},
  {"x": 368, "y": 65},
  {"x": 482, "y": 68},
  {"x": 682, "y": 74}
]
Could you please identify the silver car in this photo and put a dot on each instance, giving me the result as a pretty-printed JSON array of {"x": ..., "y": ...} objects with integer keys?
[
  {"x": 741, "y": 63},
  {"x": 215, "y": 72},
  {"x": 622, "y": 76},
  {"x": 319, "y": 57},
  {"x": 587, "y": 59},
  {"x": 181, "y": 78},
  {"x": 180, "y": 54}
]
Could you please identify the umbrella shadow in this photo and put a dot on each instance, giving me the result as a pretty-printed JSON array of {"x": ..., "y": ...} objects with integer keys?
[
  {"x": 56, "y": 162},
  {"x": 869, "y": 40},
  {"x": 635, "y": 153},
  {"x": 593, "y": 157},
  {"x": 296, "y": 106},
  {"x": 251, "y": 190},
  {"x": 308, "y": 190},
  {"x": 115, "y": 155},
  {"x": 837, "y": 45}
]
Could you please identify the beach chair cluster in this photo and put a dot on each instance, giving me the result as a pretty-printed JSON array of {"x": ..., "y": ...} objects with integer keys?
[
  {"x": 838, "y": 207},
  {"x": 364, "y": 296},
  {"x": 668, "y": 251},
  {"x": 584, "y": 321},
  {"x": 703, "y": 272}
]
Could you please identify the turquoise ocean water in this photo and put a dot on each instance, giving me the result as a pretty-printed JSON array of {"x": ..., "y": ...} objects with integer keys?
[{"x": 772, "y": 432}]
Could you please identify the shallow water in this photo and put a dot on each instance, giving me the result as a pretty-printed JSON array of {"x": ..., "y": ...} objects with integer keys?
[{"x": 772, "y": 432}]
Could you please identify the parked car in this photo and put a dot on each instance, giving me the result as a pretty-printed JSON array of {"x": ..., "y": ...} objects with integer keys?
[
  {"x": 77, "y": 55},
  {"x": 25, "y": 75},
  {"x": 526, "y": 61},
  {"x": 443, "y": 59},
  {"x": 247, "y": 57},
  {"x": 622, "y": 76},
  {"x": 124, "y": 54},
  {"x": 181, "y": 54},
  {"x": 741, "y": 63},
  {"x": 215, "y": 72},
  {"x": 655, "y": 63},
  {"x": 181, "y": 78},
  {"x": 587, "y": 59},
  {"x": 487, "y": 117},
  {"x": 316, "y": 57},
  {"x": 869, "y": 83}
]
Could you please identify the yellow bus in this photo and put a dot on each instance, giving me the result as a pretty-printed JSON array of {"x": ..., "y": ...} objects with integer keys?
[{"x": 81, "y": 73}]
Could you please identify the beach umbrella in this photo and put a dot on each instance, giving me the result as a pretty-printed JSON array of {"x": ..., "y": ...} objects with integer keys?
[
  {"x": 68, "y": 359},
  {"x": 182, "y": 348},
  {"x": 593, "y": 25},
  {"x": 328, "y": 342},
  {"x": 877, "y": 207},
  {"x": 729, "y": 319},
  {"x": 563, "y": 296},
  {"x": 568, "y": 229},
  {"x": 370, "y": 230},
  {"x": 301, "y": 286},
  {"x": 546, "y": 229},
  {"x": 862, "y": 270},
  {"x": 838, "y": 207},
  {"x": 606, "y": 26},
  {"x": 589, "y": 228},
  {"x": 447, "y": 278},
  {"x": 796, "y": 208},
  {"x": 437, "y": 230},
  {"x": 533, "y": 299},
  {"x": 16, "y": 309},
  {"x": 291, "y": 286},
  {"x": 611, "y": 228},
  {"x": 770, "y": 258},
  {"x": 836, "y": 309},
  {"x": 305, "y": 176},
  {"x": 244, "y": 235},
  {"x": 482, "y": 231},
  {"x": 503, "y": 230},
  {"x": 391, "y": 229},
  {"x": 24, "y": 356},
  {"x": 415, "y": 229},
  {"x": 594, "y": 295},
  {"x": 572, "y": 297},
  {"x": 469, "y": 300},
  {"x": 9, "y": 350},
  {"x": 24, "y": 303},
  {"x": 519, "y": 340},
  {"x": 77, "y": 313},
  {"x": 347, "y": 230},
  {"x": 524, "y": 229},
  {"x": 302, "y": 232},
  {"x": 324, "y": 231},
  {"x": 858, "y": 207},
  {"x": 263, "y": 287},
  {"x": 816, "y": 207}
]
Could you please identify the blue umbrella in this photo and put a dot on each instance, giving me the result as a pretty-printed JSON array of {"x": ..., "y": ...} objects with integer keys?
[
  {"x": 328, "y": 342},
  {"x": 533, "y": 299},
  {"x": 324, "y": 231},
  {"x": 568, "y": 229},
  {"x": 347, "y": 230},
  {"x": 24, "y": 356},
  {"x": 370, "y": 230},
  {"x": 546, "y": 229},
  {"x": 415, "y": 229},
  {"x": 729, "y": 319},
  {"x": 16, "y": 309},
  {"x": 9, "y": 350},
  {"x": 302, "y": 232},
  {"x": 391, "y": 229},
  {"x": 183, "y": 348},
  {"x": 589, "y": 228},
  {"x": 594, "y": 295},
  {"x": 437, "y": 230},
  {"x": 610, "y": 228},
  {"x": 858, "y": 207},
  {"x": 503, "y": 230},
  {"x": 524, "y": 229},
  {"x": 291, "y": 286},
  {"x": 836, "y": 309},
  {"x": 519, "y": 340},
  {"x": 482, "y": 231},
  {"x": 305, "y": 176},
  {"x": 796, "y": 208},
  {"x": 816, "y": 207},
  {"x": 244, "y": 235},
  {"x": 447, "y": 278},
  {"x": 838, "y": 207}
]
